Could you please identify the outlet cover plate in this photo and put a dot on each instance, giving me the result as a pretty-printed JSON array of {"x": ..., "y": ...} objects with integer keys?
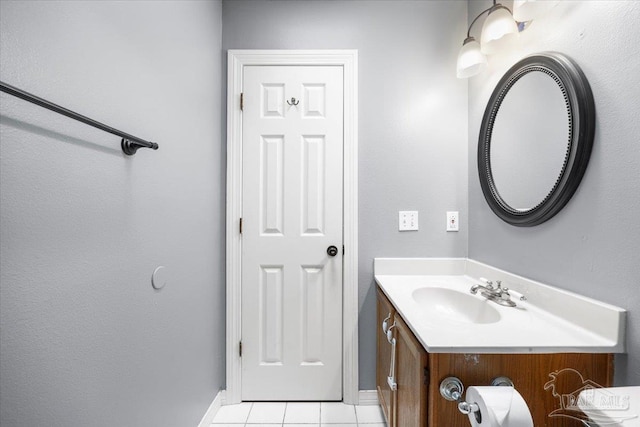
[{"x": 452, "y": 221}]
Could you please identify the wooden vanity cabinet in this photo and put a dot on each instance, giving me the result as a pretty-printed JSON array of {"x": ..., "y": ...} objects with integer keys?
[
  {"x": 386, "y": 396},
  {"x": 407, "y": 405},
  {"x": 412, "y": 376},
  {"x": 417, "y": 401},
  {"x": 530, "y": 376}
]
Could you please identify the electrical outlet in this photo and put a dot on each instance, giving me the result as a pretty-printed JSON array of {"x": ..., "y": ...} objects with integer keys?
[
  {"x": 407, "y": 220},
  {"x": 452, "y": 221}
]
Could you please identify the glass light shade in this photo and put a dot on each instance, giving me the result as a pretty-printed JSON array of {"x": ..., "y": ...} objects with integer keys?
[
  {"x": 528, "y": 10},
  {"x": 499, "y": 30},
  {"x": 471, "y": 61}
]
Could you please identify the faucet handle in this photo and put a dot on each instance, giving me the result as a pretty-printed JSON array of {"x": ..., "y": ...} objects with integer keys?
[
  {"x": 487, "y": 282},
  {"x": 499, "y": 285}
]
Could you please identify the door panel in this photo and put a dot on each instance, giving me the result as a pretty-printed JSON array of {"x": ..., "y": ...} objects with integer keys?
[
  {"x": 292, "y": 212},
  {"x": 271, "y": 312},
  {"x": 272, "y": 180},
  {"x": 313, "y": 185}
]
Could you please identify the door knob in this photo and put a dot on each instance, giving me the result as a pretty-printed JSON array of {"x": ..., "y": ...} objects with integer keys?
[{"x": 332, "y": 251}]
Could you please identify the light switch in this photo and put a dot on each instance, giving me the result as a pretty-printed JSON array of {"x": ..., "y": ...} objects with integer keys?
[{"x": 407, "y": 220}]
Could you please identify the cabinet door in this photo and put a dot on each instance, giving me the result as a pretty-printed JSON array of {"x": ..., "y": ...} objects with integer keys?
[
  {"x": 412, "y": 377},
  {"x": 530, "y": 374},
  {"x": 383, "y": 359}
]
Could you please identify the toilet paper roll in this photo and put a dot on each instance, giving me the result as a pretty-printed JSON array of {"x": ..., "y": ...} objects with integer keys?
[{"x": 500, "y": 406}]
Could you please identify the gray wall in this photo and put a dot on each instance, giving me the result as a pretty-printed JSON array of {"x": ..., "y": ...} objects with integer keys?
[
  {"x": 85, "y": 340},
  {"x": 592, "y": 246},
  {"x": 412, "y": 119}
]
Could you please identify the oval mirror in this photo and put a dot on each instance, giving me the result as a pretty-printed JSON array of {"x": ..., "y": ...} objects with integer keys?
[{"x": 535, "y": 139}]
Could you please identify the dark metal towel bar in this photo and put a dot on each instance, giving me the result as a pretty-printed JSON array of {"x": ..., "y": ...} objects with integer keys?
[{"x": 129, "y": 143}]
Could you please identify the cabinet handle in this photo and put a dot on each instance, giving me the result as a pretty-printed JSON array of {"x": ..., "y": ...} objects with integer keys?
[
  {"x": 385, "y": 323},
  {"x": 390, "y": 334},
  {"x": 391, "y": 379}
]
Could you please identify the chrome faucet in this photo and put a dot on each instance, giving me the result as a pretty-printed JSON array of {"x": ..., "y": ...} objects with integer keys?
[{"x": 497, "y": 294}]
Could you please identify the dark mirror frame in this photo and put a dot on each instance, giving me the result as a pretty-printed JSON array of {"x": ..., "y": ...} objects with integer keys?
[{"x": 582, "y": 119}]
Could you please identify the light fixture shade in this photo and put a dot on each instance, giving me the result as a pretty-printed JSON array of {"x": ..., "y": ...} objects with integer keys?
[
  {"x": 499, "y": 30},
  {"x": 528, "y": 10},
  {"x": 471, "y": 61}
]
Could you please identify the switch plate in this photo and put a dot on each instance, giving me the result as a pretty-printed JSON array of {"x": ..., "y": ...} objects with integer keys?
[
  {"x": 407, "y": 220},
  {"x": 452, "y": 221}
]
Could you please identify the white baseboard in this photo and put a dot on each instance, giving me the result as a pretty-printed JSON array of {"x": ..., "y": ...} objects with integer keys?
[
  {"x": 368, "y": 397},
  {"x": 218, "y": 401}
]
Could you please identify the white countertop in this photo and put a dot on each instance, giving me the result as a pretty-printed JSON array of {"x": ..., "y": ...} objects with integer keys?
[
  {"x": 551, "y": 320},
  {"x": 612, "y": 407}
]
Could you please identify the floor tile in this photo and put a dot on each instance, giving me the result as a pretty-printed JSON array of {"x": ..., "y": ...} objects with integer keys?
[
  {"x": 339, "y": 425},
  {"x": 302, "y": 412},
  {"x": 369, "y": 414},
  {"x": 337, "y": 412},
  {"x": 302, "y": 425},
  {"x": 267, "y": 413},
  {"x": 233, "y": 413}
]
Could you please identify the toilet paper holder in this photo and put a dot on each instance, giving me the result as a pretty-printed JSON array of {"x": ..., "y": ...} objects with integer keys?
[{"x": 451, "y": 388}]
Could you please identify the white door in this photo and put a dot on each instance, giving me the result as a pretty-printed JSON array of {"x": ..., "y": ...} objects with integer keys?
[{"x": 292, "y": 148}]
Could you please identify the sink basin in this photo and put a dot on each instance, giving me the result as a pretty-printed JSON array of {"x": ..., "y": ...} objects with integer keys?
[
  {"x": 457, "y": 306},
  {"x": 432, "y": 296}
]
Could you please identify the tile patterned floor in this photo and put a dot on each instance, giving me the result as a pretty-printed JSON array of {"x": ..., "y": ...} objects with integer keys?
[{"x": 299, "y": 414}]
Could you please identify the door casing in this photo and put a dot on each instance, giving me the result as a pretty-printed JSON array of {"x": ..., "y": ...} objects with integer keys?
[{"x": 237, "y": 60}]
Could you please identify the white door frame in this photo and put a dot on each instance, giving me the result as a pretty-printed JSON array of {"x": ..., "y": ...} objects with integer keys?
[{"x": 237, "y": 60}]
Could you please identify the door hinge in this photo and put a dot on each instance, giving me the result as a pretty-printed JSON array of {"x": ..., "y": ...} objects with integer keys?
[
  {"x": 426, "y": 375},
  {"x": 240, "y": 349},
  {"x": 240, "y": 227},
  {"x": 342, "y": 249},
  {"x": 242, "y": 101}
]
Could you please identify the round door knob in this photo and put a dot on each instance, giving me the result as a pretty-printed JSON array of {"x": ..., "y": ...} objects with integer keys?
[{"x": 332, "y": 251}]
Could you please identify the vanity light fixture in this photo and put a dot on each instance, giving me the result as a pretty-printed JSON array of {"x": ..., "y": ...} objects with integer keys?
[
  {"x": 471, "y": 58},
  {"x": 528, "y": 10},
  {"x": 499, "y": 30}
]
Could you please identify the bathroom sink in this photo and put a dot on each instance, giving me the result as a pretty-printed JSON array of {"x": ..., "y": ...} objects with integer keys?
[
  {"x": 456, "y": 306},
  {"x": 434, "y": 298}
]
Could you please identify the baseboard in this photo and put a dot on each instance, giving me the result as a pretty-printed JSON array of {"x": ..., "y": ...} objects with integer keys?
[
  {"x": 368, "y": 397},
  {"x": 218, "y": 401}
]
